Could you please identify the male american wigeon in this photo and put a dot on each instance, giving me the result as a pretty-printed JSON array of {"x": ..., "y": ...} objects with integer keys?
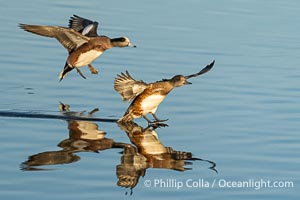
[
  {"x": 81, "y": 41},
  {"x": 147, "y": 97}
]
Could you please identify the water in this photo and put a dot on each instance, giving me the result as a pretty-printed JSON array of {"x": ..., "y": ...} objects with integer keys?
[{"x": 243, "y": 115}]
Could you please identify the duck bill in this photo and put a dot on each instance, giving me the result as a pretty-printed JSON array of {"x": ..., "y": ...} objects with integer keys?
[
  {"x": 131, "y": 45},
  {"x": 187, "y": 82}
]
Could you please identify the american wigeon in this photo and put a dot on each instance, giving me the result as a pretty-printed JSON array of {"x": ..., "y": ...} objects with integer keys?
[
  {"x": 83, "y": 49},
  {"x": 147, "y": 97}
]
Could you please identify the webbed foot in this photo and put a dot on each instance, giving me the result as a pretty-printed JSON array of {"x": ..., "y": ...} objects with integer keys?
[{"x": 92, "y": 69}]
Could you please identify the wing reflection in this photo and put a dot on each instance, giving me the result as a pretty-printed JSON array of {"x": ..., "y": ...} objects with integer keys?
[{"x": 133, "y": 165}]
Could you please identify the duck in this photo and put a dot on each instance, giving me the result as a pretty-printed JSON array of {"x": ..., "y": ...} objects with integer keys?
[
  {"x": 145, "y": 98},
  {"x": 81, "y": 40}
]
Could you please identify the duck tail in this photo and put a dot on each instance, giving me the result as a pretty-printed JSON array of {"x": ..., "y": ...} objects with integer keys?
[
  {"x": 127, "y": 117},
  {"x": 65, "y": 71}
]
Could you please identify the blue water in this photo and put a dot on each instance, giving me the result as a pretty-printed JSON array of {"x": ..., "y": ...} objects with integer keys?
[{"x": 243, "y": 115}]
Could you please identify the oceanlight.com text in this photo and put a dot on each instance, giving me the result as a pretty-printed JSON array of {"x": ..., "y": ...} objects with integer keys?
[{"x": 255, "y": 184}]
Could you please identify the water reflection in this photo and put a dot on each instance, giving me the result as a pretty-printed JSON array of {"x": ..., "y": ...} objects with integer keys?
[
  {"x": 84, "y": 136},
  {"x": 149, "y": 152},
  {"x": 145, "y": 151},
  {"x": 157, "y": 155}
]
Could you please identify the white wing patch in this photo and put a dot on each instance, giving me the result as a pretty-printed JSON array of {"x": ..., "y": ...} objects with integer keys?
[{"x": 87, "y": 29}]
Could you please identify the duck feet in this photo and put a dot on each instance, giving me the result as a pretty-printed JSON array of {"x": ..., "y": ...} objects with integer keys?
[
  {"x": 158, "y": 120},
  {"x": 80, "y": 73},
  {"x": 92, "y": 69},
  {"x": 156, "y": 123}
]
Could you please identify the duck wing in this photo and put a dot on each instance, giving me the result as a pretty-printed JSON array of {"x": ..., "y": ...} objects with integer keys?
[
  {"x": 128, "y": 87},
  {"x": 69, "y": 38},
  {"x": 84, "y": 26},
  {"x": 203, "y": 71}
]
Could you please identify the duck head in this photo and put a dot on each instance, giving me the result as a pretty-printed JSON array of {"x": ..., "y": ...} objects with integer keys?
[{"x": 122, "y": 42}]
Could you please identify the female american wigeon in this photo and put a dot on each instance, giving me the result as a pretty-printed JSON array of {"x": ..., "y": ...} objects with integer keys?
[
  {"x": 83, "y": 44},
  {"x": 147, "y": 97}
]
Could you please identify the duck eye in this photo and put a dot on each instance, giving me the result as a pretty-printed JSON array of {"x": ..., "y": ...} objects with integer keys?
[{"x": 123, "y": 39}]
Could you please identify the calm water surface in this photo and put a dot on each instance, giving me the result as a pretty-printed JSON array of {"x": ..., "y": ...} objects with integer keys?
[{"x": 242, "y": 116}]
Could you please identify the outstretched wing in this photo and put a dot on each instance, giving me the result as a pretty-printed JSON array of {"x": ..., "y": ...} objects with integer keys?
[
  {"x": 84, "y": 26},
  {"x": 128, "y": 87},
  {"x": 69, "y": 38},
  {"x": 204, "y": 70}
]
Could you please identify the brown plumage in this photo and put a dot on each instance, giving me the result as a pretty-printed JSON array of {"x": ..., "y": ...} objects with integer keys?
[
  {"x": 81, "y": 41},
  {"x": 147, "y": 97}
]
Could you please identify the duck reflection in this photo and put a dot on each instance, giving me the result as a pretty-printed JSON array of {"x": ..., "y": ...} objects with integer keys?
[
  {"x": 149, "y": 152},
  {"x": 133, "y": 165},
  {"x": 145, "y": 151},
  {"x": 84, "y": 136}
]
